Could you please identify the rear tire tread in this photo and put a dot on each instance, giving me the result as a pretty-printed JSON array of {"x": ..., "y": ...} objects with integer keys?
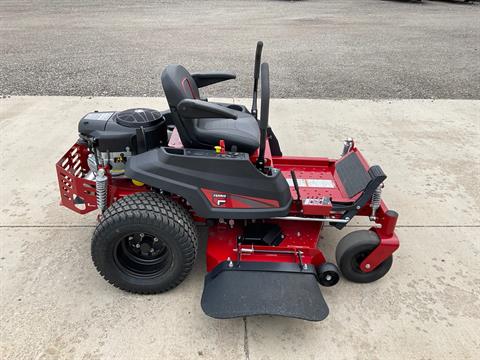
[{"x": 155, "y": 209}]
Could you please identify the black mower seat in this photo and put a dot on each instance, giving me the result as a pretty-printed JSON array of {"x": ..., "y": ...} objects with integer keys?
[
  {"x": 242, "y": 132},
  {"x": 198, "y": 129}
]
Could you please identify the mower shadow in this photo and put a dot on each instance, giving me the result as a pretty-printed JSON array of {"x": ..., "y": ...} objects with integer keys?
[
  {"x": 202, "y": 250},
  {"x": 423, "y": 2},
  {"x": 459, "y": 2},
  {"x": 419, "y": 2}
]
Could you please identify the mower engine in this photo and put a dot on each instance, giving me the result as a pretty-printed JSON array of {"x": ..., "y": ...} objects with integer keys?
[
  {"x": 106, "y": 141},
  {"x": 112, "y": 137}
]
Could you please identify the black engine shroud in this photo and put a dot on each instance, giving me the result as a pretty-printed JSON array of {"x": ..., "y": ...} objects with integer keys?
[{"x": 134, "y": 130}]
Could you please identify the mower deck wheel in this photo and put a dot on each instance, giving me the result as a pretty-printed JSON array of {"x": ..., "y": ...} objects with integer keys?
[
  {"x": 328, "y": 274},
  {"x": 353, "y": 249},
  {"x": 145, "y": 243}
]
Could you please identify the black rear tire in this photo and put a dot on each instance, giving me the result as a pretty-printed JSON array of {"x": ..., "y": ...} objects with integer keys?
[
  {"x": 145, "y": 243},
  {"x": 353, "y": 249}
]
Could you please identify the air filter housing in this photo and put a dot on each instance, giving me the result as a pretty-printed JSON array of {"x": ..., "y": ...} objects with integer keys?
[
  {"x": 132, "y": 130},
  {"x": 136, "y": 118}
]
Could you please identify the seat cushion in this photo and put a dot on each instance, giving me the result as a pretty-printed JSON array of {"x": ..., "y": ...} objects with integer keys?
[{"x": 242, "y": 132}]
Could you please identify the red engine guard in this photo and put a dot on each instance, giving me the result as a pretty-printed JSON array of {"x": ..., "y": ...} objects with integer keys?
[{"x": 76, "y": 192}]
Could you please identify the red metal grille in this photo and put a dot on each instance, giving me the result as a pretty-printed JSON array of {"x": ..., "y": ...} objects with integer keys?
[{"x": 76, "y": 192}]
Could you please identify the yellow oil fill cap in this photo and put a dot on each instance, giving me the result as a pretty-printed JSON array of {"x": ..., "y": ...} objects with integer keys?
[{"x": 137, "y": 183}]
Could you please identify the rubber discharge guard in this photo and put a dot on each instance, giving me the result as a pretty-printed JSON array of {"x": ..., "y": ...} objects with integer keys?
[{"x": 253, "y": 288}]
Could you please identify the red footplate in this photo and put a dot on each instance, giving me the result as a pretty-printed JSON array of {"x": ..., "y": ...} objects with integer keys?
[{"x": 76, "y": 192}]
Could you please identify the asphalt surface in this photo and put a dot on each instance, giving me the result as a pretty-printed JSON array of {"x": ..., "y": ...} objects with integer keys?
[{"x": 316, "y": 49}]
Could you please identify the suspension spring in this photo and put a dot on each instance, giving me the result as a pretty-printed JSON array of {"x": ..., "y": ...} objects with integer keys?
[
  {"x": 376, "y": 200},
  {"x": 101, "y": 188}
]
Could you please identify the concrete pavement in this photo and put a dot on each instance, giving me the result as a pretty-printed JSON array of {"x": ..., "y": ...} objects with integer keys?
[{"x": 55, "y": 305}]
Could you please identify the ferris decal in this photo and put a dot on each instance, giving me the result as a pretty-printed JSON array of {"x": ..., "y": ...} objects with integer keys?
[{"x": 219, "y": 199}]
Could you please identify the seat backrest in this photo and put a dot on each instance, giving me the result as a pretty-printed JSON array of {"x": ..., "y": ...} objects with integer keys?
[{"x": 178, "y": 85}]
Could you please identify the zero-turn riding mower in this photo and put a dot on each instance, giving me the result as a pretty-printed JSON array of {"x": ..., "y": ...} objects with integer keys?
[{"x": 155, "y": 175}]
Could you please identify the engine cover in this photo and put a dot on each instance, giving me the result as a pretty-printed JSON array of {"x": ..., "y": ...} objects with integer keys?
[{"x": 132, "y": 130}]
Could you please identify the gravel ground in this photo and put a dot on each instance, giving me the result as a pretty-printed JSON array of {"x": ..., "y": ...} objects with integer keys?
[{"x": 316, "y": 49}]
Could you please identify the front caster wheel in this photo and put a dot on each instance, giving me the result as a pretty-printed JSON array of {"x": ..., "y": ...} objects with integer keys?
[
  {"x": 145, "y": 243},
  {"x": 353, "y": 249}
]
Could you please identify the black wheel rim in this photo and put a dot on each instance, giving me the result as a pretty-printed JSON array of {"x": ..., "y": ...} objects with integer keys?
[
  {"x": 330, "y": 278},
  {"x": 142, "y": 255}
]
